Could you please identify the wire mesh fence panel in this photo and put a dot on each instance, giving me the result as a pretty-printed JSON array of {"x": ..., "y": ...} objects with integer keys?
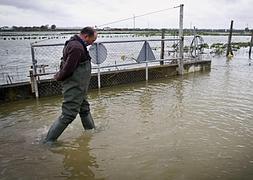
[
  {"x": 47, "y": 60},
  {"x": 125, "y": 55},
  {"x": 10, "y": 74},
  {"x": 15, "y": 61},
  {"x": 169, "y": 51},
  {"x": 120, "y": 54}
]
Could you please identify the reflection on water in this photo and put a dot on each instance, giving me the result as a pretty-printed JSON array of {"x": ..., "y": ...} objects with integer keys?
[
  {"x": 194, "y": 127},
  {"x": 77, "y": 161}
]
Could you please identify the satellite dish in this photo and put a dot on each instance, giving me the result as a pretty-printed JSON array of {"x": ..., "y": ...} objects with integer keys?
[{"x": 98, "y": 53}]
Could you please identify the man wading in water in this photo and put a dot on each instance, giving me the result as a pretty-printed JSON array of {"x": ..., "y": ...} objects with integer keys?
[{"x": 75, "y": 74}]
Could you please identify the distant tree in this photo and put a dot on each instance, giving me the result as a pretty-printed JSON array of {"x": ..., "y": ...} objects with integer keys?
[
  {"x": 14, "y": 27},
  {"x": 246, "y": 29},
  {"x": 44, "y": 27},
  {"x": 53, "y": 26}
]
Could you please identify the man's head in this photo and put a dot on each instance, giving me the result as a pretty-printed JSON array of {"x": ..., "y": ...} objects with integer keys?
[{"x": 89, "y": 35}]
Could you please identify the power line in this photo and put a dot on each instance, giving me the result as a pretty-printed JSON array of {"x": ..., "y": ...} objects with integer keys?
[{"x": 126, "y": 19}]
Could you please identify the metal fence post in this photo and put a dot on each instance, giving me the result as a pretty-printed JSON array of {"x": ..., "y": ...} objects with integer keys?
[
  {"x": 146, "y": 59},
  {"x": 34, "y": 62},
  {"x": 162, "y": 47},
  {"x": 181, "y": 42},
  {"x": 97, "y": 57}
]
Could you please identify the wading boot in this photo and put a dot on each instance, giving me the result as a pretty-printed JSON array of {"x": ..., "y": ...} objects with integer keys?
[
  {"x": 87, "y": 121},
  {"x": 55, "y": 131}
]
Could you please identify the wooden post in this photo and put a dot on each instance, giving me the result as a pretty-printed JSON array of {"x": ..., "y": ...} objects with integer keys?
[
  {"x": 181, "y": 42},
  {"x": 229, "y": 48},
  {"x": 162, "y": 47},
  {"x": 251, "y": 44}
]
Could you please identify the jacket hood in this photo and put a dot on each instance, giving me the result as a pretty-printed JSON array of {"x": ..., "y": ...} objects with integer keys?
[{"x": 73, "y": 38}]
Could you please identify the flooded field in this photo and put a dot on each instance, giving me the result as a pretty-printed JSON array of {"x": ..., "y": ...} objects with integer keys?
[
  {"x": 199, "y": 126},
  {"x": 16, "y": 60}
]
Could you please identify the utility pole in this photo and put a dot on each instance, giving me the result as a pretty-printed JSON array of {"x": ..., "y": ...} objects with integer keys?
[{"x": 134, "y": 20}]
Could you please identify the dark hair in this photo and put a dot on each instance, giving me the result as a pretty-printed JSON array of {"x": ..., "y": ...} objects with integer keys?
[{"x": 88, "y": 30}]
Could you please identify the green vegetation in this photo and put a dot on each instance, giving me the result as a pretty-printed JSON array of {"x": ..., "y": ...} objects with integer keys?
[
  {"x": 28, "y": 28},
  {"x": 220, "y": 48}
]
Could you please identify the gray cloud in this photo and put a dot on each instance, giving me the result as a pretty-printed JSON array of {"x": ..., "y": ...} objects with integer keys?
[
  {"x": 204, "y": 13},
  {"x": 26, "y": 5}
]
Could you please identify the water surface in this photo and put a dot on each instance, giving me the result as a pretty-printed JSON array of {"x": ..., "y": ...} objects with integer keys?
[{"x": 199, "y": 126}]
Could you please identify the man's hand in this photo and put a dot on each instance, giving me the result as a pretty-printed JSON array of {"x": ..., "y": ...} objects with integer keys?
[{"x": 56, "y": 77}]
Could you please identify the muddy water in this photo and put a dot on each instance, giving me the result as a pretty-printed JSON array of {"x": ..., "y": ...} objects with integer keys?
[{"x": 199, "y": 126}]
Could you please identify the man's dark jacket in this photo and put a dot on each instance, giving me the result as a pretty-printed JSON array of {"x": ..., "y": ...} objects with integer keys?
[{"x": 74, "y": 52}]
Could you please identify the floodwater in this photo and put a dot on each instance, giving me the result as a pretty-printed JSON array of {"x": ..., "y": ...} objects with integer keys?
[{"x": 199, "y": 126}]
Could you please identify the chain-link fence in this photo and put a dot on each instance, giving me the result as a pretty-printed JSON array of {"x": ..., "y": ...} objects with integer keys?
[
  {"x": 120, "y": 55},
  {"x": 111, "y": 56}
]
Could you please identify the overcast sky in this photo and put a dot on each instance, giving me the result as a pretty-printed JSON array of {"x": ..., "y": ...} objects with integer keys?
[{"x": 79, "y": 13}]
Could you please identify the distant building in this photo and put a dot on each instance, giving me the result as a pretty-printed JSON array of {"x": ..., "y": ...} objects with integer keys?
[{"x": 106, "y": 28}]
